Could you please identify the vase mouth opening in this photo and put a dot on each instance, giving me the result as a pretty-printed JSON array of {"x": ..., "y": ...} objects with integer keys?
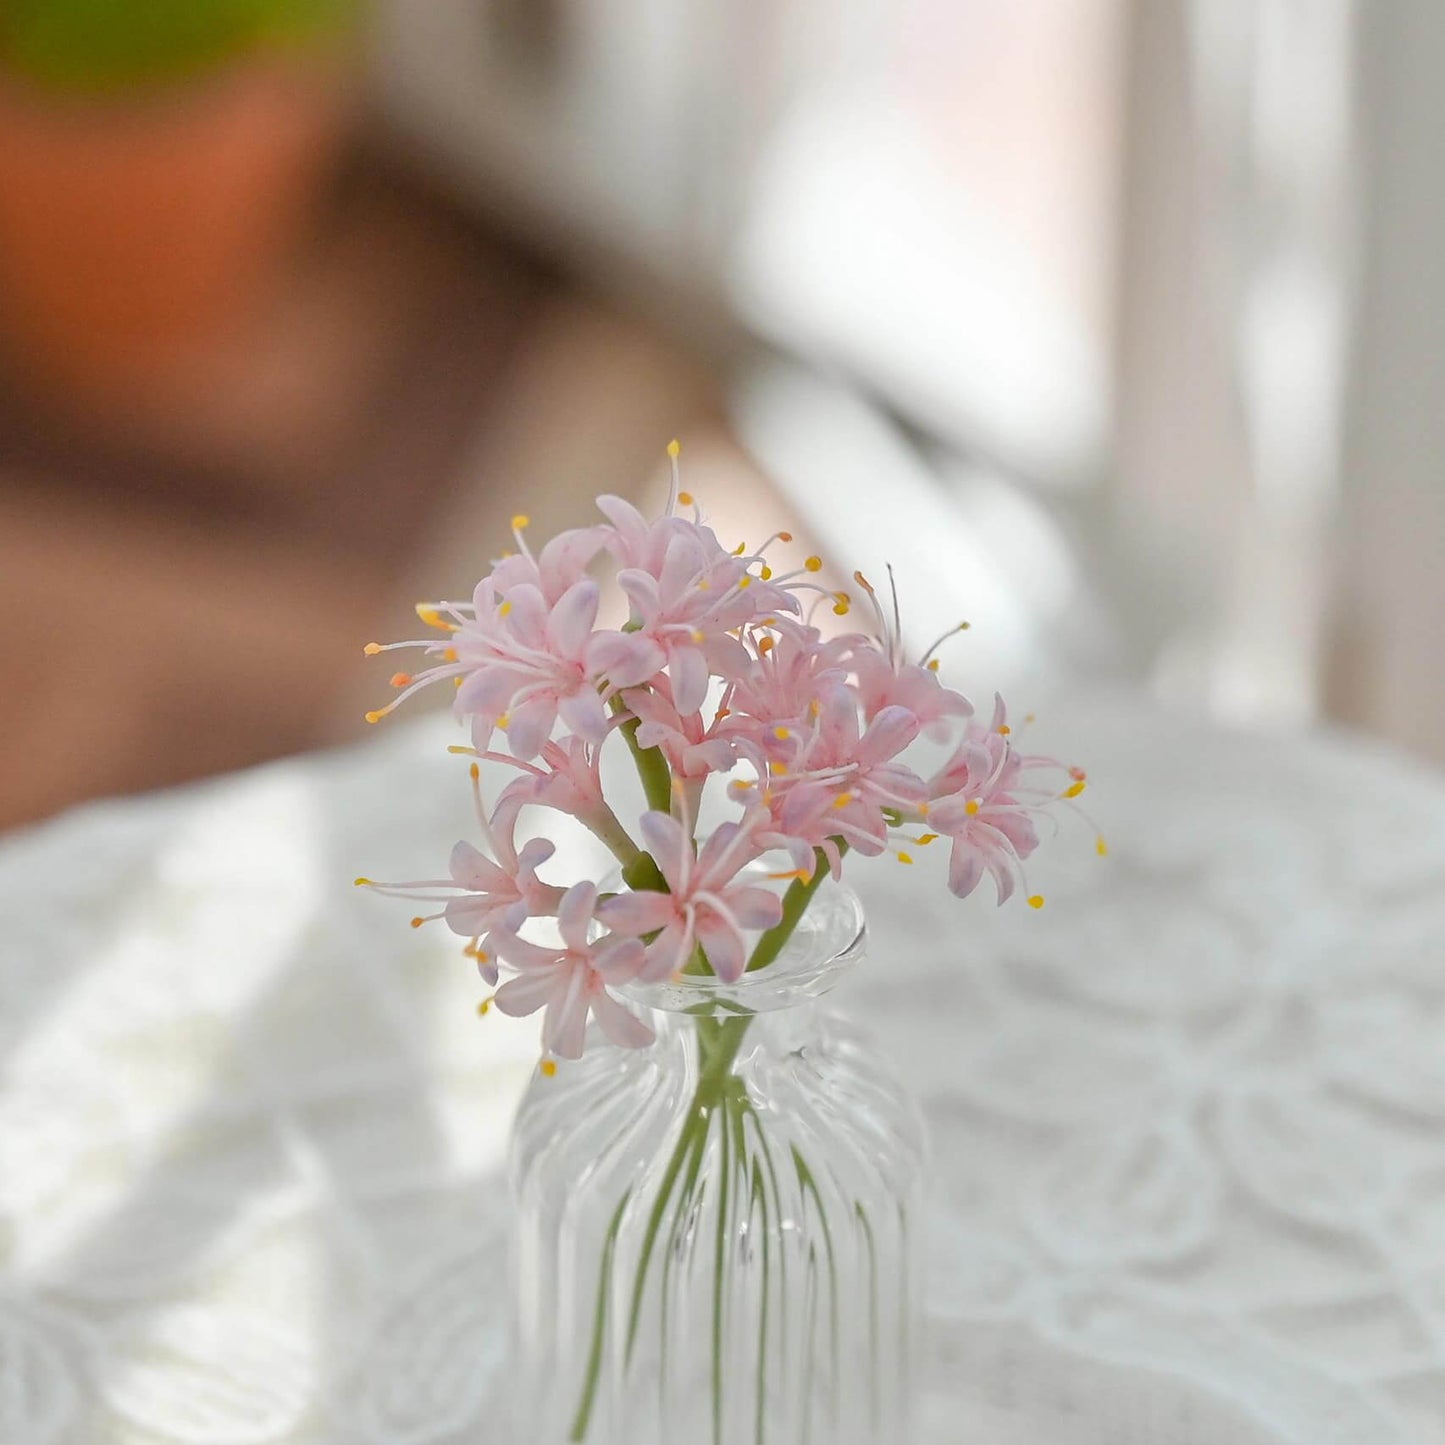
[{"x": 829, "y": 938}]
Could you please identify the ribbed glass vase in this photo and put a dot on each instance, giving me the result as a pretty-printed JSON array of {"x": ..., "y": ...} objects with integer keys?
[{"x": 715, "y": 1237}]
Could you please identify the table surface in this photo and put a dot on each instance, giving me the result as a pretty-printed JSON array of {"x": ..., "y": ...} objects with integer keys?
[{"x": 1189, "y": 1119}]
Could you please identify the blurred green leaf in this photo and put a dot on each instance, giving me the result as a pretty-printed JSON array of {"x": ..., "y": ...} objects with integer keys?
[{"x": 101, "y": 45}]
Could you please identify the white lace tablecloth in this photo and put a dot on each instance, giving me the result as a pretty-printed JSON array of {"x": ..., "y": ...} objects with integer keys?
[{"x": 1189, "y": 1120}]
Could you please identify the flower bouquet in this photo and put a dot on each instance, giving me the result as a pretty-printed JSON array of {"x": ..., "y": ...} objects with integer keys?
[{"x": 716, "y": 1205}]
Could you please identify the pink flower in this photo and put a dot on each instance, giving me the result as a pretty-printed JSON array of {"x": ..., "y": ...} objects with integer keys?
[
  {"x": 691, "y": 749},
  {"x": 791, "y": 666},
  {"x": 688, "y": 594},
  {"x": 835, "y": 780},
  {"x": 986, "y": 807},
  {"x": 886, "y": 679},
  {"x": 482, "y": 894},
  {"x": 706, "y": 906},
  {"x": 572, "y": 980},
  {"x": 524, "y": 663}
]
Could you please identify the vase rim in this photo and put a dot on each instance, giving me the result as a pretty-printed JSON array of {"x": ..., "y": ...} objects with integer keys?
[{"x": 830, "y": 938}]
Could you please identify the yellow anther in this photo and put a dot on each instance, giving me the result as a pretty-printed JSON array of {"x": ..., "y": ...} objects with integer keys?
[
  {"x": 905, "y": 858},
  {"x": 923, "y": 810},
  {"x": 674, "y": 448},
  {"x": 971, "y": 807},
  {"x": 374, "y": 717},
  {"x": 723, "y": 712},
  {"x": 814, "y": 564},
  {"x": 780, "y": 770},
  {"x": 740, "y": 549},
  {"x": 361, "y": 883},
  {"x": 933, "y": 664},
  {"x": 417, "y": 922},
  {"x": 765, "y": 572},
  {"x": 1074, "y": 789},
  {"x": 842, "y": 800},
  {"x": 457, "y": 681},
  {"x": 505, "y": 608},
  {"x": 401, "y": 679},
  {"x": 462, "y": 750},
  {"x": 371, "y": 649},
  {"x": 745, "y": 783},
  {"x": 1030, "y": 717},
  {"x": 704, "y": 585},
  {"x": 1004, "y": 730},
  {"x": 449, "y": 654},
  {"x": 503, "y": 721},
  {"x": 484, "y": 1008},
  {"x": 926, "y": 838},
  {"x": 840, "y": 609},
  {"x": 765, "y": 644},
  {"x": 1101, "y": 848},
  {"x": 433, "y": 618},
  {"x": 781, "y": 733},
  {"x": 785, "y": 536},
  {"x": 476, "y": 772},
  {"x": 814, "y": 708},
  {"x": 521, "y": 522},
  {"x": 685, "y": 498},
  {"x": 744, "y": 582},
  {"x": 1036, "y": 900},
  {"x": 548, "y": 1068},
  {"x": 964, "y": 626}
]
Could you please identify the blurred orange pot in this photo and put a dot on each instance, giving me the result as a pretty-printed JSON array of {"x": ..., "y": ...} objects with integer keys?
[{"x": 133, "y": 228}]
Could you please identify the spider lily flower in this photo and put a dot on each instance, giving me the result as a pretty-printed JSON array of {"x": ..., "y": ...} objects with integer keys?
[
  {"x": 569, "y": 780},
  {"x": 692, "y": 604},
  {"x": 985, "y": 805},
  {"x": 885, "y": 678},
  {"x": 482, "y": 893},
  {"x": 840, "y": 780},
  {"x": 790, "y": 665},
  {"x": 572, "y": 980},
  {"x": 525, "y": 664},
  {"x": 692, "y": 749},
  {"x": 706, "y": 905}
]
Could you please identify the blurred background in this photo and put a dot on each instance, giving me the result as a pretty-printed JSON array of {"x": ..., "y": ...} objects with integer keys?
[{"x": 1117, "y": 323}]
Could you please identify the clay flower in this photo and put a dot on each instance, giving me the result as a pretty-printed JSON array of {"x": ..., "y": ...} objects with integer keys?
[{"x": 572, "y": 980}]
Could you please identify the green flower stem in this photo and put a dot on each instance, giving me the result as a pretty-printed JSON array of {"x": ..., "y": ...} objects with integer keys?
[
  {"x": 795, "y": 902},
  {"x": 651, "y": 765}
]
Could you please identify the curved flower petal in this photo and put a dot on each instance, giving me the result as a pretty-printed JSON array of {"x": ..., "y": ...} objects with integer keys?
[
  {"x": 641, "y": 590},
  {"x": 583, "y": 712},
  {"x": 618, "y": 960},
  {"x": 888, "y": 734},
  {"x": 625, "y": 1029},
  {"x": 526, "y": 615},
  {"x": 723, "y": 945},
  {"x": 531, "y": 725},
  {"x": 472, "y": 869},
  {"x": 625, "y": 659},
  {"x": 636, "y": 913},
  {"x": 667, "y": 952},
  {"x": 574, "y": 914},
  {"x": 564, "y": 1028},
  {"x": 755, "y": 907},
  {"x": 526, "y": 993},
  {"x": 564, "y": 559},
  {"x": 688, "y": 669},
  {"x": 570, "y": 624},
  {"x": 669, "y": 846}
]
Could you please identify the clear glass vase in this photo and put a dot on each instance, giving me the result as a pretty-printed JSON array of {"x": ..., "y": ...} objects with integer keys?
[{"x": 715, "y": 1237}]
